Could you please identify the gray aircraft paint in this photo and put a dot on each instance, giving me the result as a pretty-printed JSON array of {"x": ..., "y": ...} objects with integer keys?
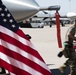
[{"x": 22, "y": 9}]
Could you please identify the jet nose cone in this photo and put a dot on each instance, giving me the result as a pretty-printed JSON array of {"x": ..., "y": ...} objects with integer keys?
[
  {"x": 71, "y": 15},
  {"x": 21, "y": 9}
]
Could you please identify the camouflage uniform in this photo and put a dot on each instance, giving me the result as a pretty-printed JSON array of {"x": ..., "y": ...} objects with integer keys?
[{"x": 70, "y": 53}]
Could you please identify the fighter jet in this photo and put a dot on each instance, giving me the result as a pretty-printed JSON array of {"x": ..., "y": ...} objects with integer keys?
[{"x": 22, "y": 9}]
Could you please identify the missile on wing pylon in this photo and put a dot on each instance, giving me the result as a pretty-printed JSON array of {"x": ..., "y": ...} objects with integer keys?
[{"x": 54, "y": 8}]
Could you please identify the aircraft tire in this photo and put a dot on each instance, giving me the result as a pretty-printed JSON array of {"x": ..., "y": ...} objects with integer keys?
[{"x": 50, "y": 24}]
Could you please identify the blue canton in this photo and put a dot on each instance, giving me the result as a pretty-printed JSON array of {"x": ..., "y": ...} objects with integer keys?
[{"x": 7, "y": 20}]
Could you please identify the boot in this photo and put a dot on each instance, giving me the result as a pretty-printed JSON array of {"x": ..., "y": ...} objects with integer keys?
[{"x": 62, "y": 70}]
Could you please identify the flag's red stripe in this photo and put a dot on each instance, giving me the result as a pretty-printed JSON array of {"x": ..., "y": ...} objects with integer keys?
[
  {"x": 20, "y": 45},
  {"x": 20, "y": 33},
  {"x": 12, "y": 68},
  {"x": 24, "y": 60}
]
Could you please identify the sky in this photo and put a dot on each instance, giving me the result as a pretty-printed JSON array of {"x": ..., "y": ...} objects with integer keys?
[{"x": 66, "y": 5}]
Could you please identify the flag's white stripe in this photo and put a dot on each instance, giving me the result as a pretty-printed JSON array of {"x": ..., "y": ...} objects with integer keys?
[
  {"x": 17, "y": 37},
  {"x": 24, "y": 54},
  {"x": 19, "y": 64}
]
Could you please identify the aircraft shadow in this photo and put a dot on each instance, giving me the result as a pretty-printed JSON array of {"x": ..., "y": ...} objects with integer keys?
[{"x": 57, "y": 71}]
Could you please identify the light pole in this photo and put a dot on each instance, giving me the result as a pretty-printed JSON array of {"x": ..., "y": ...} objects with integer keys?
[{"x": 70, "y": 5}]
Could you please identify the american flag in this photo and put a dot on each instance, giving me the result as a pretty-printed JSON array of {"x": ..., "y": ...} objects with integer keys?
[{"x": 17, "y": 54}]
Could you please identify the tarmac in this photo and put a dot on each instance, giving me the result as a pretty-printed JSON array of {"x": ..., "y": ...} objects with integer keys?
[{"x": 45, "y": 41}]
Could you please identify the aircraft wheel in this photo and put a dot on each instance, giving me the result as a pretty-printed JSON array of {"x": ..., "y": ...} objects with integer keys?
[
  {"x": 42, "y": 27},
  {"x": 50, "y": 25}
]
